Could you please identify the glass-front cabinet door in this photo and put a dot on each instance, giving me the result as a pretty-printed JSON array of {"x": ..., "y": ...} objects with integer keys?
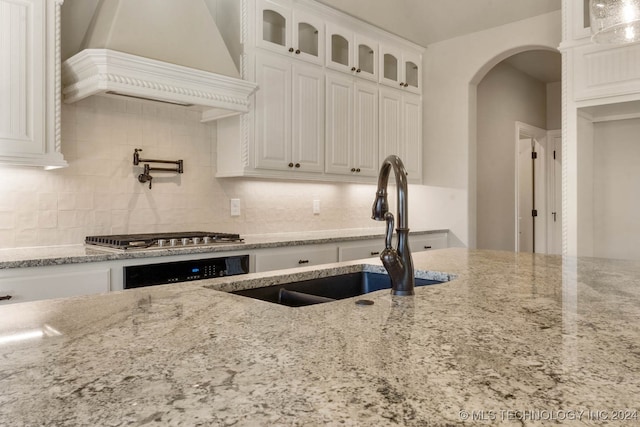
[
  {"x": 308, "y": 34},
  {"x": 339, "y": 49},
  {"x": 282, "y": 30},
  {"x": 411, "y": 72},
  {"x": 366, "y": 58},
  {"x": 401, "y": 70},
  {"x": 351, "y": 53}
]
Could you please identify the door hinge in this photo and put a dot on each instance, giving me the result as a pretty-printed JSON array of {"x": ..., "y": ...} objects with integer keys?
[
  {"x": 534, "y": 212},
  {"x": 534, "y": 155}
]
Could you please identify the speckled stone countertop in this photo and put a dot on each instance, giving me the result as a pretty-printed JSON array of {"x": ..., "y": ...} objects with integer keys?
[
  {"x": 74, "y": 254},
  {"x": 513, "y": 339}
]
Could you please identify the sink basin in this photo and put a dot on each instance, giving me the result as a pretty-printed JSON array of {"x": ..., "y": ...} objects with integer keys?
[{"x": 325, "y": 289}]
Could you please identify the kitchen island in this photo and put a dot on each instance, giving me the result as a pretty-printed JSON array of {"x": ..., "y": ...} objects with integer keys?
[{"x": 513, "y": 339}]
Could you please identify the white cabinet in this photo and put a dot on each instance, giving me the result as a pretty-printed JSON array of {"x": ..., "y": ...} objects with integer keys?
[
  {"x": 360, "y": 250},
  {"x": 351, "y": 53},
  {"x": 295, "y": 33},
  {"x": 351, "y": 126},
  {"x": 296, "y": 256},
  {"x": 30, "y": 83},
  {"x": 371, "y": 248},
  {"x": 426, "y": 242},
  {"x": 317, "y": 112},
  {"x": 401, "y": 129},
  {"x": 400, "y": 69},
  {"x": 38, "y": 283},
  {"x": 289, "y": 115}
]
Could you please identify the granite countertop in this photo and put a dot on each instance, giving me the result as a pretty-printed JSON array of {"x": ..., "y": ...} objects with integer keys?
[
  {"x": 513, "y": 339},
  {"x": 74, "y": 254}
]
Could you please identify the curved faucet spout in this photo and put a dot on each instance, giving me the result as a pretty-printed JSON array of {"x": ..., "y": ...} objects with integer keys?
[{"x": 399, "y": 265}]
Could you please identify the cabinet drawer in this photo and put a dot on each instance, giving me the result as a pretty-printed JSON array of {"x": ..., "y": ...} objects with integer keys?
[
  {"x": 428, "y": 242},
  {"x": 361, "y": 250},
  {"x": 281, "y": 258},
  {"x": 23, "y": 288}
]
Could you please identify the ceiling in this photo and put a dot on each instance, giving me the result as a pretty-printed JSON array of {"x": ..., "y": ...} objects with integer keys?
[{"x": 429, "y": 21}]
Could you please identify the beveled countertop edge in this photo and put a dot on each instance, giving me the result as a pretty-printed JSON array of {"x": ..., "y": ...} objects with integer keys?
[{"x": 42, "y": 256}]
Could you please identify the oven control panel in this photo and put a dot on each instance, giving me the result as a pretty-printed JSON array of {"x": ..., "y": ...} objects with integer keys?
[{"x": 137, "y": 276}]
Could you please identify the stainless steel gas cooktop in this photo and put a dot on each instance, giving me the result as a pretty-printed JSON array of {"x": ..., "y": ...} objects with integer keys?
[{"x": 129, "y": 242}]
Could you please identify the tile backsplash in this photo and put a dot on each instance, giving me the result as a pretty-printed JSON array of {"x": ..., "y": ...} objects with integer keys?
[{"x": 99, "y": 192}]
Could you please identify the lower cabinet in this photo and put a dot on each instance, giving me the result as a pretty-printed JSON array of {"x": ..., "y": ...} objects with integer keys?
[
  {"x": 362, "y": 249},
  {"x": 425, "y": 242},
  {"x": 38, "y": 283},
  {"x": 294, "y": 256}
]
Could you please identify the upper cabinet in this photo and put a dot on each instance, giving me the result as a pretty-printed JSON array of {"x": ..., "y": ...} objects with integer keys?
[
  {"x": 351, "y": 52},
  {"x": 30, "y": 83},
  {"x": 400, "y": 69},
  {"x": 295, "y": 33},
  {"x": 318, "y": 113}
]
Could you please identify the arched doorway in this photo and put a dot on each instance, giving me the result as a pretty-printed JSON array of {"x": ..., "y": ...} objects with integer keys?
[{"x": 518, "y": 102}]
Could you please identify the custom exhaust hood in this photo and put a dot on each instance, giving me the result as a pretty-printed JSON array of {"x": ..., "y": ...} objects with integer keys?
[{"x": 161, "y": 50}]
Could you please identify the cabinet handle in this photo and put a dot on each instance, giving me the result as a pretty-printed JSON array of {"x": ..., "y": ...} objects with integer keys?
[
  {"x": 375, "y": 253},
  {"x": 290, "y": 165},
  {"x": 303, "y": 261},
  {"x": 5, "y": 297},
  {"x": 427, "y": 247},
  {"x": 297, "y": 165},
  {"x": 290, "y": 49},
  {"x": 353, "y": 68},
  {"x": 297, "y": 51}
]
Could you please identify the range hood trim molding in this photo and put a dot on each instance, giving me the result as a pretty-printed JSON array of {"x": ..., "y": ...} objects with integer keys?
[{"x": 97, "y": 71}]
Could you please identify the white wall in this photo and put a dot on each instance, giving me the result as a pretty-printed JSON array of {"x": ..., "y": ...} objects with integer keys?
[
  {"x": 584, "y": 193},
  {"x": 504, "y": 96},
  {"x": 616, "y": 188},
  {"x": 99, "y": 193},
  {"x": 452, "y": 68}
]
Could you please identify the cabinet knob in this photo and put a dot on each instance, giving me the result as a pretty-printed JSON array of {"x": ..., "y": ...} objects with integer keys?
[
  {"x": 353, "y": 169},
  {"x": 353, "y": 68},
  {"x": 358, "y": 170},
  {"x": 358, "y": 70},
  {"x": 297, "y": 51},
  {"x": 303, "y": 261},
  {"x": 290, "y": 49},
  {"x": 405, "y": 85},
  {"x": 297, "y": 165},
  {"x": 5, "y": 297},
  {"x": 401, "y": 84},
  {"x": 290, "y": 165}
]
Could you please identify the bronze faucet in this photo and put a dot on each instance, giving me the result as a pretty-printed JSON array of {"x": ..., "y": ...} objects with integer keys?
[{"x": 398, "y": 261}]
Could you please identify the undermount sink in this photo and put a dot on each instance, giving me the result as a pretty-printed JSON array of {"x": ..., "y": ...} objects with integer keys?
[{"x": 325, "y": 289}]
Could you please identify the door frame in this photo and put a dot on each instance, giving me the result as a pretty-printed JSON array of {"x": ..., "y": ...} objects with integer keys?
[{"x": 524, "y": 130}]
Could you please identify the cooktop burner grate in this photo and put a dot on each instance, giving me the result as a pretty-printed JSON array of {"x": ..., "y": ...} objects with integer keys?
[{"x": 150, "y": 240}]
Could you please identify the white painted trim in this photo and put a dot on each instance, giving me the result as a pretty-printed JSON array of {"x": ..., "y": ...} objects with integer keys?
[{"x": 96, "y": 71}]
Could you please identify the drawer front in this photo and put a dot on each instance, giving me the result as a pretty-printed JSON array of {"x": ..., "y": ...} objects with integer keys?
[
  {"x": 46, "y": 286},
  {"x": 428, "y": 242},
  {"x": 361, "y": 250},
  {"x": 282, "y": 258}
]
